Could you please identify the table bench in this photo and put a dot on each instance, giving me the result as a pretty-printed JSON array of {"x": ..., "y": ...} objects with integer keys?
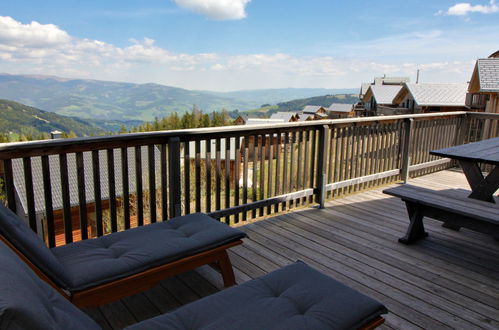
[{"x": 456, "y": 211}]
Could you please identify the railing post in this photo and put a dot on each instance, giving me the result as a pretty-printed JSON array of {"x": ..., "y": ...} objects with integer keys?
[
  {"x": 174, "y": 176},
  {"x": 321, "y": 166},
  {"x": 406, "y": 152},
  {"x": 463, "y": 131},
  {"x": 9, "y": 185}
]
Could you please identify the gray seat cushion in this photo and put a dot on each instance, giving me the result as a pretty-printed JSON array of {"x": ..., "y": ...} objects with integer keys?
[
  {"x": 25, "y": 240},
  {"x": 96, "y": 261},
  {"x": 26, "y": 302},
  {"x": 294, "y": 297}
]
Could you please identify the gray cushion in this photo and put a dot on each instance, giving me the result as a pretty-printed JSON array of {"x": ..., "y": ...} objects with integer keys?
[
  {"x": 26, "y": 302},
  {"x": 96, "y": 261},
  {"x": 293, "y": 297},
  {"x": 25, "y": 240}
]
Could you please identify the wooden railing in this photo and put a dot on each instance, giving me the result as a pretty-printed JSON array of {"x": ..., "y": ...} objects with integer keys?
[{"x": 74, "y": 189}]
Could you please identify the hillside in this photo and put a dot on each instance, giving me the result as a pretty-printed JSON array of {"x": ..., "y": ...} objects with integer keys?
[
  {"x": 298, "y": 104},
  {"x": 110, "y": 101},
  {"x": 21, "y": 119}
]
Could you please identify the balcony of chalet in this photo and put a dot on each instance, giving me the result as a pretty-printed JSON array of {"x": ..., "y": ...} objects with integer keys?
[{"x": 308, "y": 191}]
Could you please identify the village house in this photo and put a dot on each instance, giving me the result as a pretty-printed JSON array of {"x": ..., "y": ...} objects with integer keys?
[
  {"x": 285, "y": 116},
  {"x": 380, "y": 100},
  {"x": 431, "y": 97},
  {"x": 340, "y": 110},
  {"x": 483, "y": 90}
]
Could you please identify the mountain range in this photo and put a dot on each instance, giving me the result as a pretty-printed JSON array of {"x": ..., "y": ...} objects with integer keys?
[{"x": 106, "y": 100}]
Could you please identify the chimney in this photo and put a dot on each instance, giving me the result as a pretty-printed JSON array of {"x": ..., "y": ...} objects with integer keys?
[
  {"x": 417, "y": 77},
  {"x": 55, "y": 135}
]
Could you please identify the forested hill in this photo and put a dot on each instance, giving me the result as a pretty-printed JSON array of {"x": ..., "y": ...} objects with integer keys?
[
  {"x": 299, "y": 104},
  {"x": 32, "y": 123}
]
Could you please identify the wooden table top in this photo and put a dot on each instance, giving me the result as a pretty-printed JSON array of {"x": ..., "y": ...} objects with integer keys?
[{"x": 486, "y": 151}]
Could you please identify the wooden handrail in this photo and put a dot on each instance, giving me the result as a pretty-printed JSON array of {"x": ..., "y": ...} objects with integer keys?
[{"x": 237, "y": 172}]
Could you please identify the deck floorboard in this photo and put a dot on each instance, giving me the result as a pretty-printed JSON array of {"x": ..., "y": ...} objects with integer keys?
[{"x": 450, "y": 280}]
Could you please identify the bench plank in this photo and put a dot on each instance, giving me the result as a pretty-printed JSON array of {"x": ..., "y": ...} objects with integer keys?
[{"x": 454, "y": 210}]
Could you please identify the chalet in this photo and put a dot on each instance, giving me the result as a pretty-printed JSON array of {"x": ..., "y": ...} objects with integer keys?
[
  {"x": 340, "y": 110},
  {"x": 55, "y": 180},
  {"x": 366, "y": 106},
  {"x": 286, "y": 116},
  {"x": 431, "y": 97},
  {"x": 379, "y": 100},
  {"x": 483, "y": 91},
  {"x": 241, "y": 120}
]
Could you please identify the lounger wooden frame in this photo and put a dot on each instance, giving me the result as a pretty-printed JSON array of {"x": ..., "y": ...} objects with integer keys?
[{"x": 129, "y": 285}]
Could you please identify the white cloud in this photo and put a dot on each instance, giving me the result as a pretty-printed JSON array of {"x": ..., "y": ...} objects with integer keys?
[
  {"x": 464, "y": 8},
  {"x": 216, "y": 9},
  {"x": 52, "y": 51},
  {"x": 34, "y": 34}
]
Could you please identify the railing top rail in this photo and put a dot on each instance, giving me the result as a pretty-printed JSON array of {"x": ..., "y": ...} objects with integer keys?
[
  {"x": 49, "y": 147},
  {"x": 484, "y": 115}
]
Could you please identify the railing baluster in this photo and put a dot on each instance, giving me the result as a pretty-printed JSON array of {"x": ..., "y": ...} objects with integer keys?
[
  {"x": 125, "y": 186},
  {"x": 198, "y": 174},
  {"x": 82, "y": 199},
  {"x": 245, "y": 176},
  {"x": 228, "y": 161},
  {"x": 292, "y": 175},
  {"x": 152, "y": 182},
  {"x": 218, "y": 183},
  {"x": 138, "y": 182},
  {"x": 277, "y": 185},
  {"x": 174, "y": 177},
  {"x": 187, "y": 178},
  {"x": 236, "y": 175},
  {"x": 47, "y": 194},
  {"x": 164, "y": 182},
  {"x": 285, "y": 187},
  {"x": 313, "y": 169},
  {"x": 112, "y": 190},
  {"x": 306, "y": 162},
  {"x": 300, "y": 161},
  {"x": 30, "y": 195},
  {"x": 208, "y": 174},
  {"x": 261, "y": 155},
  {"x": 270, "y": 156},
  {"x": 254, "y": 179},
  {"x": 97, "y": 192},
  {"x": 9, "y": 185},
  {"x": 66, "y": 204}
]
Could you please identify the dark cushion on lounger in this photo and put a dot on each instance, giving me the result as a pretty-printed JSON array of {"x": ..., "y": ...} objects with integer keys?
[
  {"x": 294, "y": 297},
  {"x": 96, "y": 261},
  {"x": 26, "y": 302},
  {"x": 25, "y": 240}
]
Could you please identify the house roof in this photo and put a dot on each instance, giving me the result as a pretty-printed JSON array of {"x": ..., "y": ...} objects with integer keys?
[
  {"x": 383, "y": 94},
  {"x": 305, "y": 117},
  {"x": 263, "y": 121},
  {"x": 363, "y": 88},
  {"x": 431, "y": 94},
  {"x": 488, "y": 74},
  {"x": 286, "y": 116},
  {"x": 340, "y": 107},
  {"x": 55, "y": 177},
  {"x": 311, "y": 108}
]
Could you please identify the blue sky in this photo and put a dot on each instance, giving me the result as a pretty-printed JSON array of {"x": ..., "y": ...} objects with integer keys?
[{"x": 247, "y": 44}]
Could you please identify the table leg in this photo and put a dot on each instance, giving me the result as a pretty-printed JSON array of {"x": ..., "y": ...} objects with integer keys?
[{"x": 482, "y": 188}]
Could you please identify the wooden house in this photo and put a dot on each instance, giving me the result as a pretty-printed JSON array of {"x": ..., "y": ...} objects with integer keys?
[
  {"x": 340, "y": 110},
  {"x": 379, "y": 100},
  {"x": 483, "y": 90},
  {"x": 287, "y": 117},
  {"x": 431, "y": 97},
  {"x": 241, "y": 120}
]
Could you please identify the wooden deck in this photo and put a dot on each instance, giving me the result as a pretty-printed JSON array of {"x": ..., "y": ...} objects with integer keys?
[{"x": 449, "y": 280}]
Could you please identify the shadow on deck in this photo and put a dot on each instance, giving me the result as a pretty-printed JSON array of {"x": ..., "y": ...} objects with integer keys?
[{"x": 449, "y": 280}]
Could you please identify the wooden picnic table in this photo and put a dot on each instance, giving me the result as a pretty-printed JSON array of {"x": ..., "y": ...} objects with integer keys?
[{"x": 470, "y": 156}]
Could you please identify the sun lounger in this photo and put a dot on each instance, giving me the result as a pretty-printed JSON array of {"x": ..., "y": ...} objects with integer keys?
[
  {"x": 97, "y": 271},
  {"x": 293, "y": 297}
]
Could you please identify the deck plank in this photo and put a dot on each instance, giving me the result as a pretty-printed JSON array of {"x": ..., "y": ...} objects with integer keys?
[{"x": 448, "y": 280}]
